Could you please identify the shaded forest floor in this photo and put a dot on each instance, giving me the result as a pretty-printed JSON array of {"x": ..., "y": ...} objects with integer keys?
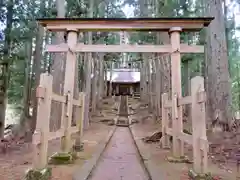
[{"x": 19, "y": 157}]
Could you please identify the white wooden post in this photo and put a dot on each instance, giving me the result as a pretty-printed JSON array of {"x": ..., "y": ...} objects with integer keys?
[
  {"x": 105, "y": 79},
  {"x": 158, "y": 87},
  {"x": 69, "y": 87},
  {"x": 165, "y": 122},
  {"x": 94, "y": 85},
  {"x": 82, "y": 97},
  {"x": 40, "y": 136},
  {"x": 199, "y": 125},
  {"x": 101, "y": 74},
  {"x": 110, "y": 82},
  {"x": 141, "y": 81},
  {"x": 176, "y": 91}
]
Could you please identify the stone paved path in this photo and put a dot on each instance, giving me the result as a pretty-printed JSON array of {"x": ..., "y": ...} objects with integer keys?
[{"x": 120, "y": 161}]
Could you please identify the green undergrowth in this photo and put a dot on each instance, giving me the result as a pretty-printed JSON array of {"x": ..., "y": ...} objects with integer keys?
[
  {"x": 62, "y": 158},
  {"x": 44, "y": 174},
  {"x": 194, "y": 176},
  {"x": 181, "y": 159}
]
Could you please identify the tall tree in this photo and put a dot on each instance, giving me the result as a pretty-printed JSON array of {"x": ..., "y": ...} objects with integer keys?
[
  {"x": 26, "y": 92},
  {"x": 88, "y": 62},
  {"x": 37, "y": 65},
  {"x": 217, "y": 70},
  {"x": 58, "y": 68},
  {"x": 5, "y": 65}
]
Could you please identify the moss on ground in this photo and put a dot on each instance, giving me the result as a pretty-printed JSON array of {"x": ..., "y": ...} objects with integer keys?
[
  {"x": 44, "y": 174},
  {"x": 62, "y": 158},
  {"x": 78, "y": 147},
  {"x": 194, "y": 176},
  {"x": 181, "y": 159}
]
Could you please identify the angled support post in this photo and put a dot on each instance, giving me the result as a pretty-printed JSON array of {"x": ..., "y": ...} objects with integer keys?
[
  {"x": 200, "y": 143},
  {"x": 40, "y": 136}
]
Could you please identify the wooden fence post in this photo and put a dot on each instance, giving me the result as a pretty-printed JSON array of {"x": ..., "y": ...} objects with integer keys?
[
  {"x": 82, "y": 108},
  {"x": 158, "y": 88},
  {"x": 200, "y": 147},
  {"x": 79, "y": 123},
  {"x": 165, "y": 138},
  {"x": 40, "y": 136}
]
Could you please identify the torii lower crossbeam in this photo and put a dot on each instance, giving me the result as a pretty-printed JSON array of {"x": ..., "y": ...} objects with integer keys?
[{"x": 184, "y": 48}]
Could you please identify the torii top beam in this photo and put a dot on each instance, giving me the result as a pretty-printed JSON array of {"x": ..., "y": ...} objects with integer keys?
[{"x": 125, "y": 24}]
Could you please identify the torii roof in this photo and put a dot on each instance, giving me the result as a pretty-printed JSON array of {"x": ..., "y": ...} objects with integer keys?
[{"x": 126, "y": 24}]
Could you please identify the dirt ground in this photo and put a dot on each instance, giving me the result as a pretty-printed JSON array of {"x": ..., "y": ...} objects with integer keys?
[
  {"x": 157, "y": 156},
  {"x": 94, "y": 136},
  {"x": 15, "y": 163}
]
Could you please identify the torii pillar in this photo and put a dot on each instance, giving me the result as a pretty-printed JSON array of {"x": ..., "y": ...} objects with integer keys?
[
  {"x": 69, "y": 86},
  {"x": 177, "y": 123}
]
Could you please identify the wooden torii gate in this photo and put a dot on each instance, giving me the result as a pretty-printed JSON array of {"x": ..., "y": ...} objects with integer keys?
[{"x": 172, "y": 25}]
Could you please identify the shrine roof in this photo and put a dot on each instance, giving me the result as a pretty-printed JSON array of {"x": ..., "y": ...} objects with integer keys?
[{"x": 124, "y": 76}]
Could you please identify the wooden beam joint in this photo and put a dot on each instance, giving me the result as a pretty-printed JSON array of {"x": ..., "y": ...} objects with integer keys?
[
  {"x": 40, "y": 92},
  {"x": 68, "y": 30},
  {"x": 175, "y": 29},
  {"x": 201, "y": 97},
  {"x": 36, "y": 139}
]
